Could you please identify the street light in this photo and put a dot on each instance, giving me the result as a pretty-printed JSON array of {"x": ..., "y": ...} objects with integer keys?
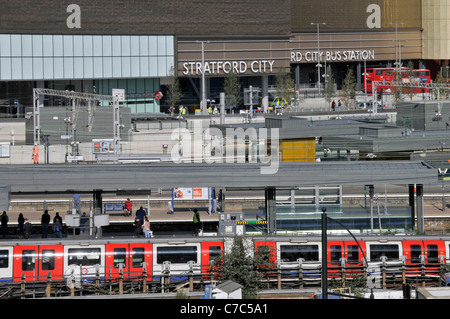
[
  {"x": 396, "y": 41},
  {"x": 318, "y": 50},
  {"x": 203, "y": 98}
]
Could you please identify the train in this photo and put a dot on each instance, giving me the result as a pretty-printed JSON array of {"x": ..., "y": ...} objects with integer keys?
[{"x": 35, "y": 260}]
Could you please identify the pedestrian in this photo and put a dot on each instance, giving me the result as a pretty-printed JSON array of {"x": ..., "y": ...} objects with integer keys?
[
  {"x": 27, "y": 227},
  {"x": 57, "y": 218},
  {"x": 196, "y": 221},
  {"x": 57, "y": 227},
  {"x": 45, "y": 221},
  {"x": 146, "y": 228},
  {"x": 339, "y": 105},
  {"x": 35, "y": 155},
  {"x": 141, "y": 213},
  {"x": 83, "y": 223},
  {"x": 20, "y": 223},
  {"x": 5, "y": 220},
  {"x": 127, "y": 207},
  {"x": 137, "y": 227},
  {"x": 333, "y": 105}
]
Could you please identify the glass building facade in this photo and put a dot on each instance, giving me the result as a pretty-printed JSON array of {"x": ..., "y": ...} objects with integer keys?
[{"x": 103, "y": 62}]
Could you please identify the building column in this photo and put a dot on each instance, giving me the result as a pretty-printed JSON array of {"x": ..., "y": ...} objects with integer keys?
[
  {"x": 270, "y": 199},
  {"x": 412, "y": 206},
  {"x": 420, "y": 209},
  {"x": 358, "y": 77},
  {"x": 265, "y": 93}
]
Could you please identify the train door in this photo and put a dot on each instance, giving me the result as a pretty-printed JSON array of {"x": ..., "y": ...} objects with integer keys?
[
  {"x": 211, "y": 251},
  {"x": 267, "y": 247},
  {"x": 413, "y": 250},
  {"x": 36, "y": 262},
  {"x": 6, "y": 263},
  {"x": 50, "y": 260},
  {"x": 129, "y": 257}
]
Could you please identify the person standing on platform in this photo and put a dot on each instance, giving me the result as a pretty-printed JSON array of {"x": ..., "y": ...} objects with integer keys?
[
  {"x": 27, "y": 229},
  {"x": 196, "y": 221},
  {"x": 20, "y": 223},
  {"x": 35, "y": 155},
  {"x": 45, "y": 221},
  {"x": 137, "y": 227},
  {"x": 5, "y": 220},
  {"x": 141, "y": 213}
]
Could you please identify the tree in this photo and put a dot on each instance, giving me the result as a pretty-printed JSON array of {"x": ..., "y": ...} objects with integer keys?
[
  {"x": 174, "y": 93},
  {"x": 231, "y": 88},
  {"x": 285, "y": 86},
  {"x": 349, "y": 88},
  {"x": 329, "y": 86},
  {"x": 244, "y": 268}
]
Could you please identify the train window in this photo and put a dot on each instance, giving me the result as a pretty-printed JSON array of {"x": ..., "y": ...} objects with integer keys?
[
  {"x": 335, "y": 254},
  {"x": 4, "y": 260},
  {"x": 294, "y": 252},
  {"x": 84, "y": 256},
  {"x": 416, "y": 251},
  {"x": 120, "y": 257},
  {"x": 48, "y": 259},
  {"x": 137, "y": 257},
  {"x": 353, "y": 254},
  {"x": 28, "y": 260},
  {"x": 176, "y": 255},
  {"x": 432, "y": 253},
  {"x": 390, "y": 251}
]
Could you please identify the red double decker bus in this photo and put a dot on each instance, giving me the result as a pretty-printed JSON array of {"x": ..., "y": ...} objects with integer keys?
[{"x": 385, "y": 77}]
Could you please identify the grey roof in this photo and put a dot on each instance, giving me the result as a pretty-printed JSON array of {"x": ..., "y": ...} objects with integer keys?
[
  {"x": 228, "y": 286},
  {"x": 117, "y": 177}
]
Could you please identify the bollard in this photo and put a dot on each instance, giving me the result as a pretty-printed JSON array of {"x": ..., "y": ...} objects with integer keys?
[
  {"x": 48, "y": 289},
  {"x": 22, "y": 287},
  {"x": 383, "y": 271},
  {"x": 279, "y": 274},
  {"x": 191, "y": 275},
  {"x": 300, "y": 272},
  {"x": 120, "y": 279},
  {"x": 144, "y": 277}
]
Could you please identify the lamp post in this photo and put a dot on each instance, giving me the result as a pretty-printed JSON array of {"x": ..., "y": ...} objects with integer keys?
[
  {"x": 203, "y": 93},
  {"x": 396, "y": 42},
  {"x": 318, "y": 50}
]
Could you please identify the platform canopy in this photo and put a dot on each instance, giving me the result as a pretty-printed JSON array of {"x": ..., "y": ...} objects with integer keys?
[{"x": 122, "y": 177}]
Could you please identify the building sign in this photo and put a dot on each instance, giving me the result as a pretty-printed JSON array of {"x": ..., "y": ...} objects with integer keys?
[
  {"x": 332, "y": 56},
  {"x": 221, "y": 67}
]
